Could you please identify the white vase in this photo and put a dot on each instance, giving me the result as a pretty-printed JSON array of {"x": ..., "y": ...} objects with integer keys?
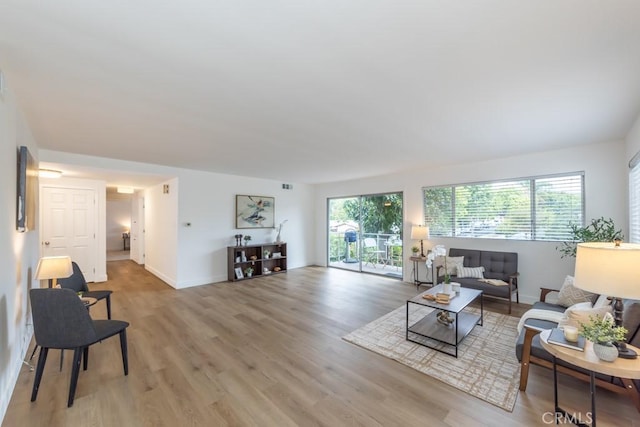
[{"x": 605, "y": 352}]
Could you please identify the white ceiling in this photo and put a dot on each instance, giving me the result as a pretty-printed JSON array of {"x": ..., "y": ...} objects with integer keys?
[{"x": 317, "y": 91}]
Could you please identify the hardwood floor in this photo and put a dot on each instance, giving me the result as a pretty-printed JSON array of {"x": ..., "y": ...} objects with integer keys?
[{"x": 268, "y": 352}]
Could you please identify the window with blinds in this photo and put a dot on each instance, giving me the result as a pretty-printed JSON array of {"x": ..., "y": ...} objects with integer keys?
[
  {"x": 540, "y": 208},
  {"x": 634, "y": 199}
]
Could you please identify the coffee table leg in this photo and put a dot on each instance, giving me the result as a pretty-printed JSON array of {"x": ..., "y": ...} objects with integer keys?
[{"x": 407, "y": 328}]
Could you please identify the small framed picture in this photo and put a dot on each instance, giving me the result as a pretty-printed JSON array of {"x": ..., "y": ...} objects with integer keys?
[
  {"x": 277, "y": 254},
  {"x": 239, "y": 274}
]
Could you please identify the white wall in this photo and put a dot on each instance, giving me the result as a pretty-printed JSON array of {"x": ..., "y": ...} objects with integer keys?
[
  {"x": 196, "y": 255},
  {"x": 539, "y": 262},
  {"x": 633, "y": 140},
  {"x": 18, "y": 252}
]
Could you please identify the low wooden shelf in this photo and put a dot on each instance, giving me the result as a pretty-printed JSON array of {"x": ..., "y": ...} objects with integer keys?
[{"x": 235, "y": 260}]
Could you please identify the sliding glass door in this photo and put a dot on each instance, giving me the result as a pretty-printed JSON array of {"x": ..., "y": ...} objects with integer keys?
[{"x": 365, "y": 233}]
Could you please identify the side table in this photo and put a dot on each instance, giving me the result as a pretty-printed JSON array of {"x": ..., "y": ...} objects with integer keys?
[
  {"x": 625, "y": 369},
  {"x": 416, "y": 279}
]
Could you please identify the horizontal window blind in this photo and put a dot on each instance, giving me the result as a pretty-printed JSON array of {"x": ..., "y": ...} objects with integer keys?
[
  {"x": 541, "y": 208},
  {"x": 634, "y": 203}
]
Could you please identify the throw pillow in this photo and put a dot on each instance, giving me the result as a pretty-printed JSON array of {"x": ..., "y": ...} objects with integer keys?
[
  {"x": 578, "y": 317},
  {"x": 570, "y": 295},
  {"x": 452, "y": 264},
  {"x": 471, "y": 272}
]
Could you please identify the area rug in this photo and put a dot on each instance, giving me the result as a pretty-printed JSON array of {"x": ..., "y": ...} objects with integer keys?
[{"x": 486, "y": 367}]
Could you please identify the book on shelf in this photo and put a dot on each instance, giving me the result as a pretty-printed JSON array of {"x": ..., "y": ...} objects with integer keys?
[{"x": 557, "y": 337}]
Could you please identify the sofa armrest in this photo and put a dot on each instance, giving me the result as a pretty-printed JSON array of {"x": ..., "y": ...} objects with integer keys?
[{"x": 544, "y": 292}]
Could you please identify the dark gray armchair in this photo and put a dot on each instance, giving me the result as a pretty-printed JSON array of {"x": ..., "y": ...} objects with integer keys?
[
  {"x": 61, "y": 321},
  {"x": 77, "y": 283}
]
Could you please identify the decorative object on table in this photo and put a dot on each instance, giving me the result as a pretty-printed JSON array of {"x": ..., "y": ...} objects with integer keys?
[
  {"x": 243, "y": 256},
  {"x": 238, "y": 272},
  {"x": 600, "y": 230},
  {"x": 277, "y": 255},
  {"x": 248, "y": 271},
  {"x": 557, "y": 337},
  {"x": 247, "y": 239},
  {"x": 255, "y": 211},
  {"x": 276, "y": 269},
  {"x": 444, "y": 318},
  {"x": 278, "y": 237},
  {"x": 238, "y": 239},
  {"x": 439, "y": 250},
  {"x": 419, "y": 232},
  {"x": 603, "y": 332},
  {"x": 415, "y": 250},
  {"x": 266, "y": 254},
  {"x": 253, "y": 257},
  {"x": 611, "y": 268},
  {"x": 52, "y": 268}
]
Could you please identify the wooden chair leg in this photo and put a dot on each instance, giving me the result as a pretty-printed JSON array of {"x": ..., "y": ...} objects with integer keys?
[
  {"x": 632, "y": 392},
  {"x": 526, "y": 357},
  {"x": 123, "y": 348},
  {"x": 75, "y": 372},
  {"x": 42, "y": 359}
]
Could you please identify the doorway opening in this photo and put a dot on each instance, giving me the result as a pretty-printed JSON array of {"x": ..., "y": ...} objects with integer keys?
[{"x": 365, "y": 233}]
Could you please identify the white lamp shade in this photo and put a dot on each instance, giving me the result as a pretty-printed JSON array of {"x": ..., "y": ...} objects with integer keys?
[
  {"x": 54, "y": 267},
  {"x": 419, "y": 232},
  {"x": 606, "y": 269}
]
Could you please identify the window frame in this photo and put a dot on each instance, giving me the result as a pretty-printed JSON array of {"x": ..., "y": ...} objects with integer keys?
[{"x": 534, "y": 229}]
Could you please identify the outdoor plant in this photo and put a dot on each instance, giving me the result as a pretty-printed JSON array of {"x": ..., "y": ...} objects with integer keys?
[
  {"x": 603, "y": 330},
  {"x": 599, "y": 230}
]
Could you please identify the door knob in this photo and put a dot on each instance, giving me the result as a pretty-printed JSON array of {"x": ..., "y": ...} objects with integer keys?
[{"x": 46, "y": 243}]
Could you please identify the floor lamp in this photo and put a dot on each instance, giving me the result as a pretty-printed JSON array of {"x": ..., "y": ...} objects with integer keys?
[
  {"x": 611, "y": 269},
  {"x": 419, "y": 232},
  {"x": 52, "y": 268}
]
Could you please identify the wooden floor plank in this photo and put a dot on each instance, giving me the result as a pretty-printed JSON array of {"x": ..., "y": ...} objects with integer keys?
[{"x": 269, "y": 352}]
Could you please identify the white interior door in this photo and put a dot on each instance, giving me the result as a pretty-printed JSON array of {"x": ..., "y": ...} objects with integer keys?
[{"x": 68, "y": 226}]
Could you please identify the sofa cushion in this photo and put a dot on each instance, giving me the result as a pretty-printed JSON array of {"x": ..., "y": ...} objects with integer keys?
[
  {"x": 631, "y": 321},
  {"x": 452, "y": 264},
  {"x": 570, "y": 294}
]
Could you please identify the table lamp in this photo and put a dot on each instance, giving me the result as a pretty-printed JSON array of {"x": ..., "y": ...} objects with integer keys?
[
  {"x": 419, "y": 232},
  {"x": 53, "y": 268},
  {"x": 611, "y": 269}
]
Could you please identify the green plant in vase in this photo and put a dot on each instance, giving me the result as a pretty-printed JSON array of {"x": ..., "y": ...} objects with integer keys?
[
  {"x": 604, "y": 333},
  {"x": 247, "y": 239},
  {"x": 248, "y": 271}
]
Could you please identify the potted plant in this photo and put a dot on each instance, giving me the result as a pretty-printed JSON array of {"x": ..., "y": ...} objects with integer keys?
[
  {"x": 603, "y": 332},
  {"x": 247, "y": 239},
  {"x": 415, "y": 250},
  {"x": 248, "y": 271},
  {"x": 266, "y": 254},
  {"x": 599, "y": 230}
]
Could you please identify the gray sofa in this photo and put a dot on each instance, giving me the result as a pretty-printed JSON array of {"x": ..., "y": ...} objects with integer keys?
[
  {"x": 529, "y": 350},
  {"x": 497, "y": 265}
]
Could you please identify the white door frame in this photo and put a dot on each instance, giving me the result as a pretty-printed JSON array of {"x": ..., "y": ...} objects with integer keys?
[{"x": 99, "y": 220}]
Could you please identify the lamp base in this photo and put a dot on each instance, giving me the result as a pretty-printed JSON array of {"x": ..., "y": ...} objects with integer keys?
[{"x": 625, "y": 352}]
